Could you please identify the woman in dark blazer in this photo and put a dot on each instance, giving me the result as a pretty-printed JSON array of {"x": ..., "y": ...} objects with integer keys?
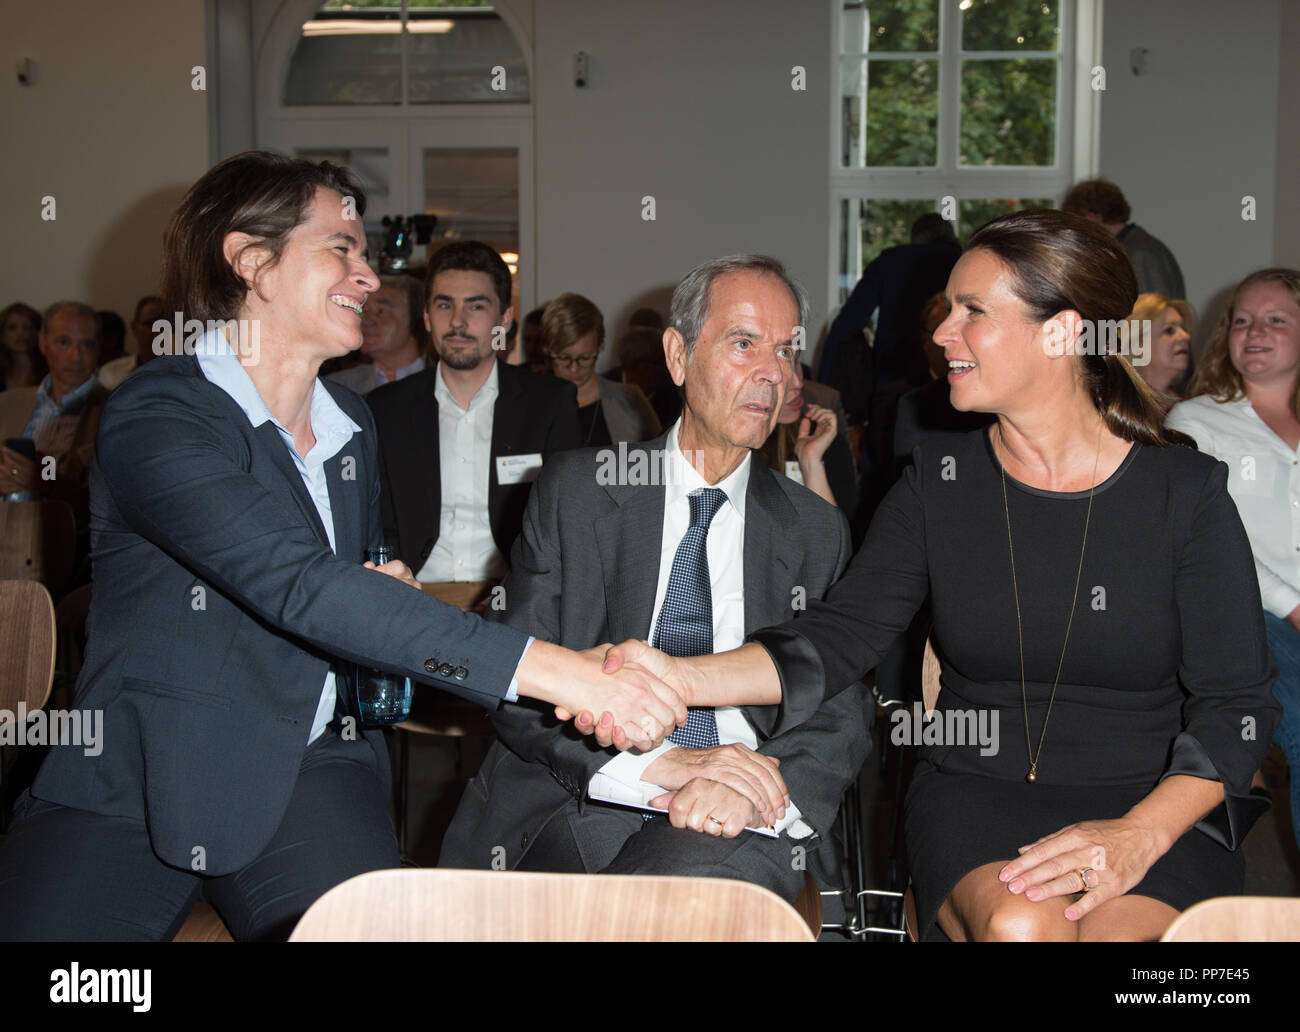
[{"x": 233, "y": 501}]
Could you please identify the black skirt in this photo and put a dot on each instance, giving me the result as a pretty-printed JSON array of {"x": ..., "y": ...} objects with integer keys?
[{"x": 958, "y": 822}]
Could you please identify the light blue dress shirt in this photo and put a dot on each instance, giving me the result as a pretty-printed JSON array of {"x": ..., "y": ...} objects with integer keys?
[{"x": 333, "y": 429}]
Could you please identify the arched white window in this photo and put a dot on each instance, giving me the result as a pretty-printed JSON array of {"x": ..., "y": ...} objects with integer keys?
[{"x": 429, "y": 103}]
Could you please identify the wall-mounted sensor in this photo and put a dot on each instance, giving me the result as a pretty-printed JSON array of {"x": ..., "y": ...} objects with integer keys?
[
  {"x": 26, "y": 71},
  {"x": 580, "y": 69}
]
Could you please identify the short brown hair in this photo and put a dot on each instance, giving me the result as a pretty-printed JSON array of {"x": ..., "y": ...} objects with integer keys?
[
  {"x": 1098, "y": 197},
  {"x": 262, "y": 194},
  {"x": 1215, "y": 374},
  {"x": 568, "y": 319}
]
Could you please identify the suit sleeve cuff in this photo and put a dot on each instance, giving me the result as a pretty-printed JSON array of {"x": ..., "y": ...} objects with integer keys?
[
  {"x": 512, "y": 693},
  {"x": 797, "y": 663}
]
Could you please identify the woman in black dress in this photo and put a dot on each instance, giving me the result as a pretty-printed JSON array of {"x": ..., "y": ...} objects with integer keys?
[{"x": 1106, "y": 678}]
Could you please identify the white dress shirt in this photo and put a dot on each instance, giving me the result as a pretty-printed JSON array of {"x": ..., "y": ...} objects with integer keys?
[
  {"x": 332, "y": 428},
  {"x": 465, "y": 549},
  {"x": 620, "y": 778},
  {"x": 1264, "y": 481}
]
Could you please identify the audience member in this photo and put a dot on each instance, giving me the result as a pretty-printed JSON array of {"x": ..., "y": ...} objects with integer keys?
[
  {"x": 648, "y": 318},
  {"x": 1134, "y": 785},
  {"x": 60, "y": 418},
  {"x": 112, "y": 336},
  {"x": 1169, "y": 353},
  {"x": 236, "y": 495},
  {"x": 531, "y": 338},
  {"x": 896, "y": 285},
  {"x": 148, "y": 310},
  {"x": 1244, "y": 408},
  {"x": 393, "y": 336},
  {"x": 806, "y": 446},
  {"x": 640, "y": 354},
  {"x": 1101, "y": 201},
  {"x": 462, "y": 441},
  {"x": 21, "y": 362},
  {"x": 602, "y": 558},
  {"x": 573, "y": 334}
]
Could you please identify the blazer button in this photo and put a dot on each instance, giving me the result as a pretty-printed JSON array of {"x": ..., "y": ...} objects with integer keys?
[
  {"x": 446, "y": 669},
  {"x": 461, "y": 673},
  {"x": 431, "y": 665},
  {"x": 523, "y": 843}
]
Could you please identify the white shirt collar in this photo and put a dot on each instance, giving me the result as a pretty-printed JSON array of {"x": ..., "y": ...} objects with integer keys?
[
  {"x": 330, "y": 424},
  {"x": 486, "y": 393},
  {"x": 735, "y": 485}
]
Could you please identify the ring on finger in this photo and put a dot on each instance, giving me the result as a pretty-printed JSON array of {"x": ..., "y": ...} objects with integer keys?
[
  {"x": 1090, "y": 878},
  {"x": 715, "y": 820}
]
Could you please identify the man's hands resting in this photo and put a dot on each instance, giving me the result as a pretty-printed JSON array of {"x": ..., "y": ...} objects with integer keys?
[
  {"x": 753, "y": 777},
  {"x": 710, "y": 807}
]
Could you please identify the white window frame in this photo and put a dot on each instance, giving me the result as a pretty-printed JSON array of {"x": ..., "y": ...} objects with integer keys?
[
  {"x": 404, "y": 129},
  {"x": 1077, "y": 131}
]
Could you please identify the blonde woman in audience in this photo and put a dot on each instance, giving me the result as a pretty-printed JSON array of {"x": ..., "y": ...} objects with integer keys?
[
  {"x": 1169, "y": 358},
  {"x": 1244, "y": 408},
  {"x": 573, "y": 333}
]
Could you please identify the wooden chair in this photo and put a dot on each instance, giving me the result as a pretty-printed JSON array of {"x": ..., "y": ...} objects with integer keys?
[
  {"x": 203, "y": 925},
  {"x": 492, "y": 906},
  {"x": 1238, "y": 919},
  {"x": 38, "y": 541},
  {"x": 27, "y": 643}
]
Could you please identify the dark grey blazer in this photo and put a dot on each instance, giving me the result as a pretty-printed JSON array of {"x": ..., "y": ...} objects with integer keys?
[
  {"x": 218, "y": 609},
  {"x": 584, "y": 571}
]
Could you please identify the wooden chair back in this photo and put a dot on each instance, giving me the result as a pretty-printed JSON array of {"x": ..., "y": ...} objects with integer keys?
[
  {"x": 1238, "y": 919},
  {"x": 930, "y": 671},
  {"x": 409, "y": 905},
  {"x": 27, "y": 643}
]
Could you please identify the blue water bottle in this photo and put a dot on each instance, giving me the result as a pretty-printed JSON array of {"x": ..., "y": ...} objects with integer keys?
[{"x": 382, "y": 698}]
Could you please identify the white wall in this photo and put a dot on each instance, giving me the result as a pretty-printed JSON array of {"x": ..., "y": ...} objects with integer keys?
[
  {"x": 1286, "y": 234},
  {"x": 689, "y": 103},
  {"x": 111, "y": 129},
  {"x": 1198, "y": 132}
]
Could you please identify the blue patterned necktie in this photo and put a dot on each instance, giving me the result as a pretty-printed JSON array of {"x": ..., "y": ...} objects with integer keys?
[{"x": 685, "y": 625}]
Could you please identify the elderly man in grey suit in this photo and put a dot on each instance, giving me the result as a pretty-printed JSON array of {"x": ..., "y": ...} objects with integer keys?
[{"x": 686, "y": 542}]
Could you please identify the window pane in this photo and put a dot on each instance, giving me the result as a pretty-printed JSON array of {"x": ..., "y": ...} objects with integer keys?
[
  {"x": 347, "y": 57},
  {"x": 463, "y": 57},
  {"x": 889, "y": 25},
  {"x": 887, "y": 224},
  {"x": 1008, "y": 112},
  {"x": 475, "y": 194},
  {"x": 1010, "y": 24},
  {"x": 902, "y": 113},
  {"x": 974, "y": 213}
]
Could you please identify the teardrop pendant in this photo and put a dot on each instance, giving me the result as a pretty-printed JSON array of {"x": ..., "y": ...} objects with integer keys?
[{"x": 1032, "y": 776}]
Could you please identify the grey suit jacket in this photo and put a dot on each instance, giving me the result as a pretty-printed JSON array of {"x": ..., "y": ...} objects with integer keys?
[{"x": 585, "y": 571}]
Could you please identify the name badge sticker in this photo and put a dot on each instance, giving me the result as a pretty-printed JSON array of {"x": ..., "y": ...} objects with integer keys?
[
  {"x": 518, "y": 469},
  {"x": 793, "y": 471}
]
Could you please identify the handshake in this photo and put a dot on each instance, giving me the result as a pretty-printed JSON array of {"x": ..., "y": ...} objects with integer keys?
[{"x": 640, "y": 693}]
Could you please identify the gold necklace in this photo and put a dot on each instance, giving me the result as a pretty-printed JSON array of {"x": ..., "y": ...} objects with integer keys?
[{"x": 1032, "y": 774}]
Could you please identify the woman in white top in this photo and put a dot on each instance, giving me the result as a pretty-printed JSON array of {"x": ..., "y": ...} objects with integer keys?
[{"x": 1245, "y": 409}]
